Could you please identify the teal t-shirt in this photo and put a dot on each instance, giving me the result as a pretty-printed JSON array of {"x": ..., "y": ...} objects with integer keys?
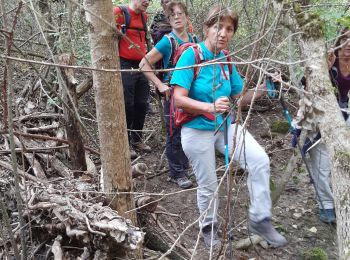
[
  {"x": 209, "y": 85},
  {"x": 165, "y": 48}
]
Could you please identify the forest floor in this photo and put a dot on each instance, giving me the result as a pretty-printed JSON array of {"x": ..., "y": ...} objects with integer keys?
[{"x": 295, "y": 215}]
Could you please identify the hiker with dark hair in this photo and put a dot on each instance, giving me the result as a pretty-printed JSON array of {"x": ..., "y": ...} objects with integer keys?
[
  {"x": 160, "y": 24},
  {"x": 164, "y": 51},
  {"x": 131, "y": 21},
  {"x": 210, "y": 91},
  {"x": 320, "y": 165}
]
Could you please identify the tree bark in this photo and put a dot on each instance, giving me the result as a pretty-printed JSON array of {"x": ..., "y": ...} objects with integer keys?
[
  {"x": 76, "y": 150},
  {"x": 115, "y": 156},
  {"x": 321, "y": 113}
]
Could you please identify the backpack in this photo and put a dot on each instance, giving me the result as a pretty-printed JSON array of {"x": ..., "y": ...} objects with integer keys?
[
  {"x": 199, "y": 57},
  {"x": 174, "y": 47},
  {"x": 180, "y": 116},
  {"x": 159, "y": 27},
  {"x": 126, "y": 26}
]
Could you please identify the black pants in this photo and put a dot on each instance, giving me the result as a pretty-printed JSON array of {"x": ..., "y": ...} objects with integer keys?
[
  {"x": 136, "y": 93},
  {"x": 178, "y": 162}
]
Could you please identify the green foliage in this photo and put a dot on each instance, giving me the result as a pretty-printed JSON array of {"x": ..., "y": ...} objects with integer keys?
[
  {"x": 281, "y": 127},
  {"x": 272, "y": 185},
  {"x": 295, "y": 180},
  {"x": 344, "y": 21},
  {"x": 315, "y": 253}
]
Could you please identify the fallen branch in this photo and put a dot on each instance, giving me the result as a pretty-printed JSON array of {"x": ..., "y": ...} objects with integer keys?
[
  {"x": 22, "y": 173},
  {"x": 35, "y": 149},
  {"x": 57, "y": 249}
]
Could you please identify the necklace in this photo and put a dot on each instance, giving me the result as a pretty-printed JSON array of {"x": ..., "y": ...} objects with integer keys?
[{"x": 344, "y": 65}]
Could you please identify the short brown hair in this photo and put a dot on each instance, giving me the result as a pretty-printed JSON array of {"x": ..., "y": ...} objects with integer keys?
[
  {"x": 171, "y": 5},
  {"x": 219, "y": 12}
]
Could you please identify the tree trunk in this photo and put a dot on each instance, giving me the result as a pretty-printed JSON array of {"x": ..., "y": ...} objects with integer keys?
[
  {"x": 321, "y": 111},
  {"x": 76, "y": 150},
  {"x": 110, "y": 108}
]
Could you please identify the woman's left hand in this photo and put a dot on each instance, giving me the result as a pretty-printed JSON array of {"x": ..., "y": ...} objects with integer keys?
[{"x": 276, "y": 77}]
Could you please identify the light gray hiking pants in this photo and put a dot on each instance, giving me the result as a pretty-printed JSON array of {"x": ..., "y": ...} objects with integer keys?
[
  {"x": 199, "y": 146},
  {"x": 320, "y": 165},
  {"x": 321, "y": 171}
]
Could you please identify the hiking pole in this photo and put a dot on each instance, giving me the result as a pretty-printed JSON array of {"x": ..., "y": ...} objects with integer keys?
[
  {"x": 226, "y": 116},
  {"x": 229, "y": 226}
]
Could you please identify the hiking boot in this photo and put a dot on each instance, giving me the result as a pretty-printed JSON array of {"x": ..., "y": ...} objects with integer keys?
[
  {"x": 265, "y": 229},
  {"x": 190, "y": 175},
  {"x": 328, "y": 216},
  {"x": 141, "y": 146},
  {"x": 210, "y": 240},
  {"x": 133, "y": 154},
  {"x": 183, "y": 182}
]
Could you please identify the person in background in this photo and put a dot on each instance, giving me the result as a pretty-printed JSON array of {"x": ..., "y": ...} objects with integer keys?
[
  {"x": 160, "y": 24},
  {"x": 339, "y": 65},
  {"x": 177, "y": 15},
  {"x": 135, "y": 84},
  {"x": 210, "y": 92}
]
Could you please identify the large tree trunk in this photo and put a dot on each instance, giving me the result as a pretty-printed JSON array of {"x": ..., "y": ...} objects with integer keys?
[
  {"x": 109, "y": 99},
  {"x": 321, "y": 112}
]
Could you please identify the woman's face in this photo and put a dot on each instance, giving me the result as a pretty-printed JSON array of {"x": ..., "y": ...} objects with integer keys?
[
  {"x": 345, "y": 42},
  {"x": 177, "y": 18},
  {"x": 219, "y": 35},
  {"x": 140, "y": 5}
]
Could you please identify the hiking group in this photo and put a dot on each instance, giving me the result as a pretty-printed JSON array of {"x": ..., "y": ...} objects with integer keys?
[{"x": 197, "y": 101}]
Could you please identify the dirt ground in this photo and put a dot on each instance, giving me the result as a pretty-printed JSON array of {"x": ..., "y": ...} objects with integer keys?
[{"x": 295, "y": 215}]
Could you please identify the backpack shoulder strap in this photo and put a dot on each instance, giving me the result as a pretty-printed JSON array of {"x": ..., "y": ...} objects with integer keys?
[
  {"x": 143, "y": 19},
  {"x": 127, "y": 18},
  {"x": 199, "y": 58},
  {"x": 229, "y": 59},
  {"x": 174, "y": 46},
  {"x": 195, "y": 38}
]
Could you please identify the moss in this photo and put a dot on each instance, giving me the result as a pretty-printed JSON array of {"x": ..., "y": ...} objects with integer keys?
[
  {"x": 315, "y": 253},
  {"x": 272, "y": 186},
  {"x": 310, "y": 23},
  {"x": 281, "y": 127}
]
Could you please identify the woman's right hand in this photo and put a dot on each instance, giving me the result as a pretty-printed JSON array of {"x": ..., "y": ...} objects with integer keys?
[
  {"x": 221, "y": 105},
  {"x": 164, "y": 90},
  {"x": 331, "y": 59}
]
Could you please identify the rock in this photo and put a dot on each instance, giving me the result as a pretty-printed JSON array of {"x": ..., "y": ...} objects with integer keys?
[
  {"x": 297, "y": 215},
  {"x": 313, "y": 230}
]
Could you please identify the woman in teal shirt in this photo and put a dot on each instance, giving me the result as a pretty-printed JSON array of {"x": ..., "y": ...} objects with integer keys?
[
  {"x": 209, "y": 92},
  {"x": 164, "y": 50}
]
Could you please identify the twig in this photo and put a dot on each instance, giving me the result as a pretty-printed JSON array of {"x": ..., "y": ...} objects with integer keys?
[
  {"x": 91, "y": 230},
  {"x": 188, "y": 254},
  {"x": 8, "y": 116},
  {"x": 161, "y": 160},
  {"x": 6, "y": 220},
  {"x": 167, "y": 213}
]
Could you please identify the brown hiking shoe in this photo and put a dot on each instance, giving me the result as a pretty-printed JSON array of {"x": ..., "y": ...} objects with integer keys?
[{"x": 140, "y": 146}]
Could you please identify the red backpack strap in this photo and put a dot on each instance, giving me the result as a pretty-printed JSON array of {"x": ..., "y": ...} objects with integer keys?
[
  {"x": 198, "y": 57},
  {"x": 229, "y": 59}
]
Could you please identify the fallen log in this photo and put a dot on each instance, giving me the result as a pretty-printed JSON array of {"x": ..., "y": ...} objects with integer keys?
[{"x": 83, "y": 220}]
